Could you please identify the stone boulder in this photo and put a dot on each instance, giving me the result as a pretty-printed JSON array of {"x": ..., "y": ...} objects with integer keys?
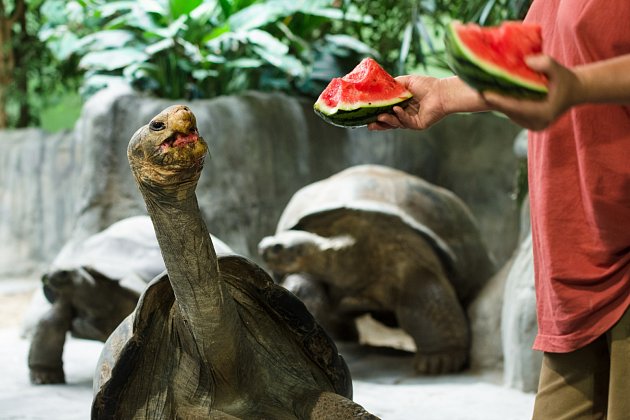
[
  {"x": 264, "y": 147},
  {"x": 519, "y": 324}
]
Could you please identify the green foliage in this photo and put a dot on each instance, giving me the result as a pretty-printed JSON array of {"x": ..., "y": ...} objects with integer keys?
[
  {"x": 62, "y": 113},
  {"x": 31, "y": 77},
  {"x": 408, "y": 34},
  {"x": 203, "y": 48}
]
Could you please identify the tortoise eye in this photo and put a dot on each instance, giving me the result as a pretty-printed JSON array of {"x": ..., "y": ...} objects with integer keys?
[{"x": 157, "y": 126}]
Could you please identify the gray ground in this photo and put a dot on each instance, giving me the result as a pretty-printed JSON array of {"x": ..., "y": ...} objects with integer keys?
[{"x": 384, "y": 382}]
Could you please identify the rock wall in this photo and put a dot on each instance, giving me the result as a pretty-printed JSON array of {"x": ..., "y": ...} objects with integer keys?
[
  {"x": 38, "y": 197},
  {"x": 519, "y": 323},
  {"x": 263, "y": 148}
]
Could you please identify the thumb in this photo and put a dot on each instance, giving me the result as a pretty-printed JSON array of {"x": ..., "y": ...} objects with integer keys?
[
  {"x": 540, "y": 63},
  {"x": 404, "y": 80}
]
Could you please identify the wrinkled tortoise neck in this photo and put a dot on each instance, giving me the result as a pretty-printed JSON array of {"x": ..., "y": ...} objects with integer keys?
[
  {"x": 156, "y": 184},
  {"x": 192, "y": 267}
]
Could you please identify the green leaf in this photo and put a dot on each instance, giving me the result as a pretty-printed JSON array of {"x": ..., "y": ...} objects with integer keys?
[
  {"x": 226, "y": 7},
  {"x": 256, "y": 15},
  {"x": 203, "y": 74},
  {"x": 172, "y": 30},
  {"x": 405, "y": 47},
  {"x": 226, "y": 41},
  {"x": 102, "y": 40},
  {"x": 260, "y": 14},
  {"x": 193, "y": 52},
  {"x": 54, "y": 12},
  {"x": 152, "y": 6},
  {"x": 351, "y": 43},
  {"x": 267, "y": 41},
  {"x": 287, "y": 63},
  {"x": 485, "y": 12},
  {"x": 136, "y": 18},
  {"x": 208, "y": 58},
  {"x": 182, "y": 7},
  {"x": 294, "y": 39},
  {"x": 424, "y": 34},
  {"x": 205, "y": 11},
  {"x": 429, "y": 5},
  {"x": 245, "y": 63},
  {"x": 144, "y": 69},
  {"x": 64, "y": 46},
  {"x": 215, "y": 33},
  {"x": 109, "y": 60},
  {"x": 112, "y": 8},
  {"x": 159, "y": 46},
  {"x": 95, "y": 82}
]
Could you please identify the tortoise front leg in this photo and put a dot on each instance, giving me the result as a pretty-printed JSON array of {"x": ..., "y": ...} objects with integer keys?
[
  {"x": 328, "y": 405},
  {"x": 317, "y": 299},
  {"x": 45, "y": 354},
  {"x": 429, "y": 311}
]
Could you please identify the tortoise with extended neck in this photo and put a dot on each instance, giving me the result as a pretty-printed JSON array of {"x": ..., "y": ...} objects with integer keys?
[
  {"x": 215, "y": 338},
  {"x": 373, "y": 239}
]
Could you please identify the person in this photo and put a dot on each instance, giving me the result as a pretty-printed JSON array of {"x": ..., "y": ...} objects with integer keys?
[{"x": 579, "y": 183}]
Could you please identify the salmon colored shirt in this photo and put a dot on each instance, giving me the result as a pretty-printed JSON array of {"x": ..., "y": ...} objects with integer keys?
[{"x": 579, "y": 180}]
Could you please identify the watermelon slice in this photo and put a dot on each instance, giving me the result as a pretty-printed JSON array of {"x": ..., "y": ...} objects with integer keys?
[
  {"x": 357, "y": 98},
  {"x": 493, "y": 58}
]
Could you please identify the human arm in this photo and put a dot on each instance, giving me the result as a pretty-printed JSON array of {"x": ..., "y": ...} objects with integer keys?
[
  {"x": 433, "y": 99},
  {"x": 606, "y": 81}
]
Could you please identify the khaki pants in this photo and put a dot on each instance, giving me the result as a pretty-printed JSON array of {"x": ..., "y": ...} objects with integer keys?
[{"x": 590, "y": 383}]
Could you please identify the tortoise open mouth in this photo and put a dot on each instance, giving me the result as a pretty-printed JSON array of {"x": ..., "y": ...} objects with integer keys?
[{"x": 180, "y": 140}]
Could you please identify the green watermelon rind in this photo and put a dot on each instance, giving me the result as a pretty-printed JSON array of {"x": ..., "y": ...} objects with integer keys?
[
  {"x": 483, "y": 75},
  {"x": 359, "y": 115},
  {"x": 475, "y": 76}
]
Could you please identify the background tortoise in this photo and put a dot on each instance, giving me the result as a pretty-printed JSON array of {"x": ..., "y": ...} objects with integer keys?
[
  {"x": 372, "y": 239},
  {"x": 90, "y": 287},
  {"x": 216, "y": 338}
]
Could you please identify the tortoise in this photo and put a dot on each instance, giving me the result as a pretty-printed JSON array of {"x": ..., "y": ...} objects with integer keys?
[
  {"x": 380, "y": 241},
  {"x": 89, "y": 288},
  {"x": 215, "y": 337}
]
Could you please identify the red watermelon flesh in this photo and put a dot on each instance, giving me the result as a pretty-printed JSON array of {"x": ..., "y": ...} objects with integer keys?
[
  {"x": 501, "y": 50},
  {"x": 360, "y": 95}
]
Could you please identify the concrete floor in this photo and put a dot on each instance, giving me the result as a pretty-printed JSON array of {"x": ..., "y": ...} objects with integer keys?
[{"x": 384, "y": 381}]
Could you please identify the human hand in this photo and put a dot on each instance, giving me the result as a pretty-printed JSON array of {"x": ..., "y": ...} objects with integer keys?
[
  {"x": 424, "y": 109},
  {"x": 539, "y": 114}
]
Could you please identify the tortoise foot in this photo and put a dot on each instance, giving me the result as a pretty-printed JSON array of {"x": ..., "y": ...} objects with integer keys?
[
  {"x": 440, "y": 363},
  {"x": 42, "y": 376}
]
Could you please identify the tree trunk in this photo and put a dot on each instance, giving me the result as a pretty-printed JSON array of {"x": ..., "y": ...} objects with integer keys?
[
  {"x": 20, "y": 74},
  {"x": 7, "y": 53}
]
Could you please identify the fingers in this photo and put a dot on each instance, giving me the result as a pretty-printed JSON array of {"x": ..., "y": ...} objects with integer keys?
[
  {"x": 403, "y": 115},
  {"x": 533, "y": 115},
  {"x": 379, "y": 126},
  {"x": 385, "y": 122}
]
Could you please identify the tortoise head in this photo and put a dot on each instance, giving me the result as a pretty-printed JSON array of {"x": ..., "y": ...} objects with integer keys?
[
  {"x": 167, "y": 154},
  {"x": 295, "y": 251}
]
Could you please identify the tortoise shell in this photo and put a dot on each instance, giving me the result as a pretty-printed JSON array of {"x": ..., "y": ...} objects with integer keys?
[
  {"x": 436, "y": 213},
  {"x": 129, "y": 345},
  {"x": 124, "y": 252}
]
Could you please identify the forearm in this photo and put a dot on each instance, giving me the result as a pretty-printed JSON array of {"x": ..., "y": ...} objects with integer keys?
[
  {"x": 457, "y": 96},
  {"x": 606, "y": 81}
]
